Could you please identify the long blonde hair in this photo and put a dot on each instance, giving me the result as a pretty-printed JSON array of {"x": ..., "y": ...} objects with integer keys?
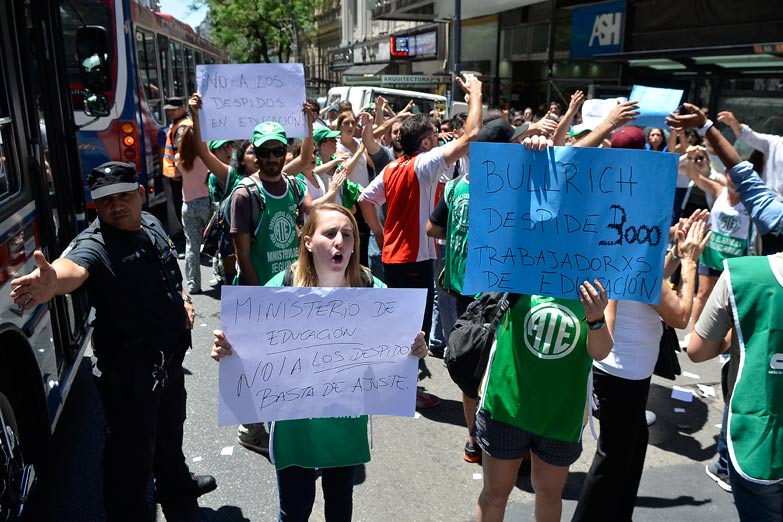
[{"x": 303, "y": 269}]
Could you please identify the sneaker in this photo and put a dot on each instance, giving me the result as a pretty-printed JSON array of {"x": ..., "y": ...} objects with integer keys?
[
  {"x": 650, "y": 417},
  {"x": 472, "y": 452},
  {"x": 425, "y": 401},
  {"x": 254, "y": 437},
  {"x": 720, "y": 477}
]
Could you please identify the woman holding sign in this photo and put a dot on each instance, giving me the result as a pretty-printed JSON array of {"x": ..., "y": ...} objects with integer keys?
[{"x": 333, "y": 445}]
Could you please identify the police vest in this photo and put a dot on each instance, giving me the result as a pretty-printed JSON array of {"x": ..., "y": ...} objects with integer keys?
[{"x": 169, "y": 168}]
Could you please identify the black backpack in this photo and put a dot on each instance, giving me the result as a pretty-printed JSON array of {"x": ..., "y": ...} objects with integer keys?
[{"x": 471, "y": 339}]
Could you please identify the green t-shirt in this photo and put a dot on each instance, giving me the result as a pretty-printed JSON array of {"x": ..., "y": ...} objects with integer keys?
[
  {"x": 216, "y": 190},
  {"x": 349, "y": 192},
  {"x": 319, "y": 443},
  {"x": 276, "y": 243},
  {"x": 539, "y": 369},
  {"x": 457, "y": 196}
]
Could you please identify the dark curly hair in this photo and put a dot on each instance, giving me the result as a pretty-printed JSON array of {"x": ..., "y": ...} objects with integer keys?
[{"x": 412, "y": 131}]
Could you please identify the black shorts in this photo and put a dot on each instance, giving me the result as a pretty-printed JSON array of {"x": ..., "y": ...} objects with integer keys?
[{"x": 505, "y": 442}]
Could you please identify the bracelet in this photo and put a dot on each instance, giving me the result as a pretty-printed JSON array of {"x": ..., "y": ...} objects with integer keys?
[
  {"x": 675, "y": 257},
  {"x": 701, "y": 131}
]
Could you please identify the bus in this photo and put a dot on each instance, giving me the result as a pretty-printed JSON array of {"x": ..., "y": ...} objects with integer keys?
[
  {"x": 41, "y": 207},
  {"x": 143, "y": 58},
  {"x": 360, "y": 96}
]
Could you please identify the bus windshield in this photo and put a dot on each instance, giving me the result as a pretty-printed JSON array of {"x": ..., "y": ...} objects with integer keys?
[{"x": 75, "y": 14}]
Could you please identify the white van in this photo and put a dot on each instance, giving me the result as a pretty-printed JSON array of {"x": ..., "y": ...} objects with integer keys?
[{"x": 361, "y": 96}]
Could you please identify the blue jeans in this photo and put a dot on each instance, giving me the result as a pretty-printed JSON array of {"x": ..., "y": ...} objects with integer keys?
[
  {"x": 756, "y": 502},
  {"x": 374, "y": 254},
  {"x": 444, "y": 306},
  {"x": 296, "y": 490}
]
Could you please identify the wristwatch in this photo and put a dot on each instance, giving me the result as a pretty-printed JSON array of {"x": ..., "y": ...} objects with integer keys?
[
  {"x": 596, "y": 325},
  {"x": 187, "y": 298}
]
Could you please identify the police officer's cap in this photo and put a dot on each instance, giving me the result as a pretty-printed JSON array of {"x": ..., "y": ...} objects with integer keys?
[
  {"x": 174, "y": 102},
  {"x": 112, "y": 178}
]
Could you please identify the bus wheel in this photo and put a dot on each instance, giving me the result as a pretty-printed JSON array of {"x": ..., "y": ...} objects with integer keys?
[{"x": 15, "y": 477}]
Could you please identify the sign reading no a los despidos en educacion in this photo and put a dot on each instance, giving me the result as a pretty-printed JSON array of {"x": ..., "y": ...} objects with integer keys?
[
  {"x": 237, "y": 97},
  {"x": 318, "y": 352},
  {"x": 544, "y": 222}
]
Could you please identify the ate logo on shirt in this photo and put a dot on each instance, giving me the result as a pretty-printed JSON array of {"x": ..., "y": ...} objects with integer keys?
[
  {"x": 282, "y": 228},
  {"x": 551, "y": 331}
]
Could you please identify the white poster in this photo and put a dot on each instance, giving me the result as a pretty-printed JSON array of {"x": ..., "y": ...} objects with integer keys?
[
  {"x": 237, "y": 97},
  {"x": 318, "y": 352}
]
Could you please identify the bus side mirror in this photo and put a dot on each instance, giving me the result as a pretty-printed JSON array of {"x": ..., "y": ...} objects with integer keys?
[
  {"x": 93, "y": 54},
  {"x": 96, "y": 105}
]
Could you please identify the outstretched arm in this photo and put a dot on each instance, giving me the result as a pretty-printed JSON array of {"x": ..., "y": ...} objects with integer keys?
[
  {"x": 61, "y": 277},
  {"x": 217, "y": 167}
]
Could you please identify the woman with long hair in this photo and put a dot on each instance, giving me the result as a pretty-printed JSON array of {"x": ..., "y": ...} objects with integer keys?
[
  {"x": 196, "y": 208},
  {"x": 326, "y": 259}
]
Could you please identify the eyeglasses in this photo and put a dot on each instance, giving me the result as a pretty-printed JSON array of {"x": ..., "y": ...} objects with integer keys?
[
  {"x": 278, "y": 152},
  {"x": 699, "y": 158}
]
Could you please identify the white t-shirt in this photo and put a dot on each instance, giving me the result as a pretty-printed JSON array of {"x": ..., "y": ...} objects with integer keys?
[
  {"x": 637, "y": 339},
  {"x": 359, "y": 174}
]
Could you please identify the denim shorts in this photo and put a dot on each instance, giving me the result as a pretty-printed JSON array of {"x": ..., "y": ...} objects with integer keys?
[
  {"x": 505, "y": 442},
  {"x": 705, "y": 270}
]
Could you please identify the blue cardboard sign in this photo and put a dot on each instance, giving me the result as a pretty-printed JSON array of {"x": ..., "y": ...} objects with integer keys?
[
  {"x": 544, "y": 222},
  {"x": 655, "y": 104},
  {"x": 597, "y": 29}
]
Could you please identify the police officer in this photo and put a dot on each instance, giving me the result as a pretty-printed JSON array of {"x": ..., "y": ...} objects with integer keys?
[{"x": 128, "y": 267}]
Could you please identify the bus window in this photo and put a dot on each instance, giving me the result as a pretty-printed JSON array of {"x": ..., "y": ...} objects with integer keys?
[
  {"x": 165, "y": 66},
  {"x": 199, "y": 58},
  {"x": 190, "y": 69},
  {"x": 148, "y": 71},
  {"x": 177, "y": 69},
  {"x": 8, "y": 182},
  {"x": 75, "y": 14}
]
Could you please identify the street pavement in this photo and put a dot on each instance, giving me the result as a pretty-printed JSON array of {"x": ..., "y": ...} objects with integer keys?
[{"x": 416, "y": 473}]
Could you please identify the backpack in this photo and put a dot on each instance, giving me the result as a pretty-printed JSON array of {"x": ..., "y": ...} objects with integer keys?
[
  {"x": 220, "y": 222},
  {"x": 471, "y": 339}
]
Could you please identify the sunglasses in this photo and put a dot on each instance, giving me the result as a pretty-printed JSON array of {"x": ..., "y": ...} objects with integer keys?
[
  {"x": 278, "y": 152},
  {"x": 699, "y": 158}
]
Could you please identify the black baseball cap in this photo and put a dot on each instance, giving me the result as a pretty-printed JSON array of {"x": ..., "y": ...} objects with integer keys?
[{"x": 113, "y": 177}]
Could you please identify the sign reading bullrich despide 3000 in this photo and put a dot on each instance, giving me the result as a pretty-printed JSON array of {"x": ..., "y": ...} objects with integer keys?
[{"x": 544, "y": 222}]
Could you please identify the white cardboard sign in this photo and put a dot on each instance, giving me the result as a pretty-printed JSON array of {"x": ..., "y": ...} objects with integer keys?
[
  {"x": 318, "y": 352},
  {"x": 237, "y": 97}
]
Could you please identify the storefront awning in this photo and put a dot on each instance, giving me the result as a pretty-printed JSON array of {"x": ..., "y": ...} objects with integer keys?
[{"x": 365, "y": 70}]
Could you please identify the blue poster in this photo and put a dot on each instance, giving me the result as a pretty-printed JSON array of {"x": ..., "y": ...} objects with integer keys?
[
  {"x": 544, "y": 222},
  {"x": 597, "y": 29},
  {"x": 655, "y": 104}
]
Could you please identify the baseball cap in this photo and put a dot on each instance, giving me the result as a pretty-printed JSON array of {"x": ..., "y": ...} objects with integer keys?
[
  {"x": 334, "y": 107},
  {"x": 113, "y": 177},
  {"x": 579, "y": 129},
  {"x": 216, "y": 144},
  {"x": 496, "y": 131},
  {"x": 268, "y": 131},
  {"x": 628, "y": 138},
  {"x": 323, "y": 133},
  {"x": 174, "y": 103}
]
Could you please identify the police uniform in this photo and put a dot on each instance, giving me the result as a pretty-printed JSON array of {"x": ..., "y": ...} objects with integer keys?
[{"x": 140, "y": 338}]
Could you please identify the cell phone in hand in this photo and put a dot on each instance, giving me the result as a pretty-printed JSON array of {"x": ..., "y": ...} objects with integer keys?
[{"x": 682, "y": 110}]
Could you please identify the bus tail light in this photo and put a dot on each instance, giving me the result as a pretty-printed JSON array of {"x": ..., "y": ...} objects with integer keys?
[{"x": 128, "y": 141}]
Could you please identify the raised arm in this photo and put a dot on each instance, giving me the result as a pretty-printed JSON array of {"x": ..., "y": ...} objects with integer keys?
[
  {"x": 564, "y": 125},
  {"x": 454, "y": 150},
  {"x": 623, "y": 113},
  {"x": 297, "y": 164},
  {"x": 215, "y": 166}
]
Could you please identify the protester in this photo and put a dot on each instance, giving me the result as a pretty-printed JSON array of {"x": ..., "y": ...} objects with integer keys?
[
  {"x": 196, "y": 208},
  {"x": 771, "y": 146},
  {"x": 177, "y": 116},
  {"x": 621, "y": 383},
  {"x": 656, "y": 140},
  {"x": 128, "y": 267},
  {"x": 564, "y": 125},
  {"x": 333, "y": 446},
  {"x": 537, "y": 404},
  {"x": 407, "y": 185},
  {"x": 747, "y": 299}
]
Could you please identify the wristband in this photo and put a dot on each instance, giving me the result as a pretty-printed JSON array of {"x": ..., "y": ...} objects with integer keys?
[
  {"x": 675, "y": 257},
  {"x": 701, "y": 131},
  {"x": 596, "y": 325}
]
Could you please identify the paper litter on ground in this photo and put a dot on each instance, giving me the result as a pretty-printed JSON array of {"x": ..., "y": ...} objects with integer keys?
[
  {"x": 679, "y": 410},
  {"x": 707, "y": 391},
  {"x": 477, "y": 476},
  {"x": 682, "y": 394},
  {"x": 197, "y": 459},
  {"x": 228, "y": 450}
]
